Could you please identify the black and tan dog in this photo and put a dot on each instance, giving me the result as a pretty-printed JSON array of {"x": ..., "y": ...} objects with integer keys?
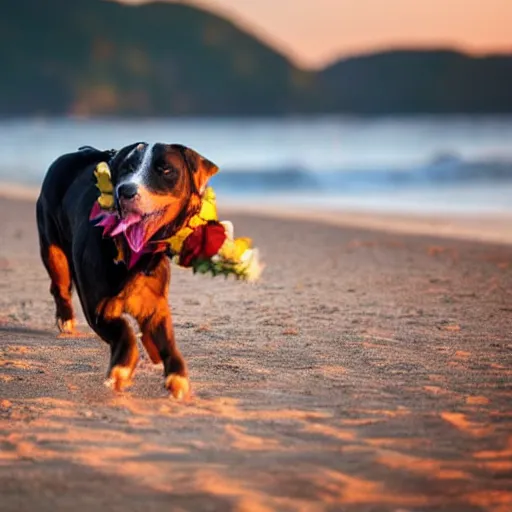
[{"x": 161, "y": 186}]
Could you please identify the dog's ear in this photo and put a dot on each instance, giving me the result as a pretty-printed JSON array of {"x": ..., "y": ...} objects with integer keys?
[{"x": 201, "y": 168}]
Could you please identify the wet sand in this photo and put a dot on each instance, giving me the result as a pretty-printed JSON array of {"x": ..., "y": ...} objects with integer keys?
[{"x": 368, "y": 371}]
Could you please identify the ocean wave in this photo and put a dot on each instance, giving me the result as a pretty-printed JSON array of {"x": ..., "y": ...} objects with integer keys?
[{"x": 442, "y": 170}]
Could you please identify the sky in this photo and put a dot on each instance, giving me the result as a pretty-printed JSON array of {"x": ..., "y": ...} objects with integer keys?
[{"x": 316, "y": 32}]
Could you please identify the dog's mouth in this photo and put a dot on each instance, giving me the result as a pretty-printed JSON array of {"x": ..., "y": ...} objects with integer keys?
[{"x": 138, "y": 228}]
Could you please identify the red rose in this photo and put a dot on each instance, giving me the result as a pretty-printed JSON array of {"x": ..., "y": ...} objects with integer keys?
[{"x": 203, "y": 243}]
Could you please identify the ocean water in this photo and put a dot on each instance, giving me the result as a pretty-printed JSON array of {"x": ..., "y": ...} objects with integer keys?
[{"x": 457, "y": 164}]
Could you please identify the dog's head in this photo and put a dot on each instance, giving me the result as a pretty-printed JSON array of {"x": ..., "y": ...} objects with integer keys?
[{"x": 156, "y": 185}]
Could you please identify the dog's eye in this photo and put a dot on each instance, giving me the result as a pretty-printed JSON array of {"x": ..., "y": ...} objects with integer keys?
[{"x": 164, "y": 170}]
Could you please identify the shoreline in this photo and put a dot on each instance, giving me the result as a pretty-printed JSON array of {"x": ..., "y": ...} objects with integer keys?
[
  {"x": 487, "y": 228},
  {"x": 15, "y": 191}
]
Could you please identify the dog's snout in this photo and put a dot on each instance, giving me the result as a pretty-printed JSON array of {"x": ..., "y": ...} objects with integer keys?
[{"x": 127, "y": 190}]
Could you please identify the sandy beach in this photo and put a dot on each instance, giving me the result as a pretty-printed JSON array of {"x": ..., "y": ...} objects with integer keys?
[{"x": 369, "y": 370}]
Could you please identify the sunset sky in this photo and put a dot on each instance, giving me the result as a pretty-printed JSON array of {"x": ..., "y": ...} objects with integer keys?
[{"x": 315, "y": 32}]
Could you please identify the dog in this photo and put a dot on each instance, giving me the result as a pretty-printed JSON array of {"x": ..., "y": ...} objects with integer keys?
[{"x": 158, "y": 187}]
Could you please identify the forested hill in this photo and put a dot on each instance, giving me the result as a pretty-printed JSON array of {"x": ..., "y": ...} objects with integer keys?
[
  {"x": 101, "y": 58},
  {"x": 412, "y": 81}
]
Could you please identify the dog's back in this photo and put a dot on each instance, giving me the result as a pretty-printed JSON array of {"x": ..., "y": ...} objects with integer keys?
[{"x": 61, "y": 176}]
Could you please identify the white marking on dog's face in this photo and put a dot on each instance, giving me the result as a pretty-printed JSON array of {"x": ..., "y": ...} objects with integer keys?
[
  {"x": 144, "y": 167},
  {"x": 138, "y": 177}
]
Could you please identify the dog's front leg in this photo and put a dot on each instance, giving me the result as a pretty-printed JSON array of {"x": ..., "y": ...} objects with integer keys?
[
  {"x": 123, "y": 350},
  {"x": 147, "y": 301},
  {"x": 158, "y": 333}
]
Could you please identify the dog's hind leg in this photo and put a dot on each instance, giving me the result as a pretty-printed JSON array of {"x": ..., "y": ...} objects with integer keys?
[{"x": 57, "y": 265}]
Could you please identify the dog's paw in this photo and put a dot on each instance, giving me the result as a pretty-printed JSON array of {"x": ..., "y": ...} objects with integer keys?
[
  {"x": 178, "y": 386},
  {"x": 66, "y": 326},
  {"x": 119, "y": 378},
  {"x": 68, "y": 330}
]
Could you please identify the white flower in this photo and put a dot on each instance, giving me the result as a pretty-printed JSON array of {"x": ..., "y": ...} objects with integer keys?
[
  {"x": 251, "y": 265},
  {"x": 230, "y": 230}
]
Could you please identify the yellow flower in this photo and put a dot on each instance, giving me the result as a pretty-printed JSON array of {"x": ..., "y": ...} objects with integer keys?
[
  {"x": 241, "y": 245},
  {"x": 233, "y": 250},
  {"x": 208, "y": 205},
  {"x": 176, "y": 241},
  {"x": 104, "y": 184},
  {"x": 209, "y": 195},
  {"x": 106, "y": 201},
  {"x": 227, "y": 251},
  {"x": 103, "y": 177},
  {"x": 196, "y": 221}
]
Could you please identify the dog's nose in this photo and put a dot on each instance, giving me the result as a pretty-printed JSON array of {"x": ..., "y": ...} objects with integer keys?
[{"x": 127, "y": 190}]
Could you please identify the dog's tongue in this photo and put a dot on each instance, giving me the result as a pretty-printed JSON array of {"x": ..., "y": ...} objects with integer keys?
[
  {"x": 135, "y": 236},
  {"x": 133, "y": 230},
  {"x": 125, "y": 223}
]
